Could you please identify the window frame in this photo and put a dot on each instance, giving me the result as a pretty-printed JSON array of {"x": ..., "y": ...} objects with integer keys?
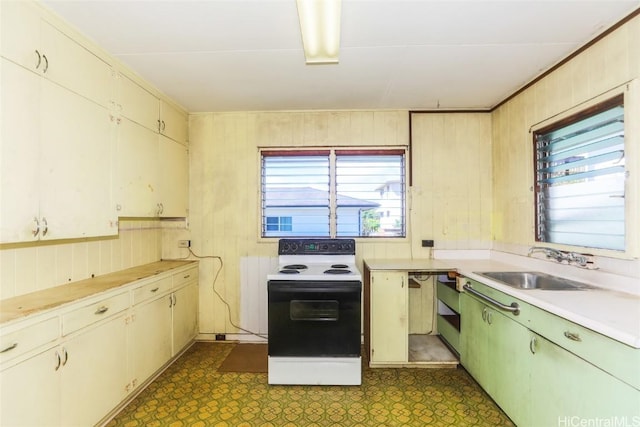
[
  {"x": 333, "y": 151},
  {"x": 611, "y": 99}
]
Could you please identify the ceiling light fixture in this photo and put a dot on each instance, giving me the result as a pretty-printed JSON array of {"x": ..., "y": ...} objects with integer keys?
[{"x": 320, "y": 27}]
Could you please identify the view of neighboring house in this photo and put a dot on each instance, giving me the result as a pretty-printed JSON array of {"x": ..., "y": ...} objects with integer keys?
[
  {"x": 304, "y": 211},
  {"x": 390, "y": 209}
]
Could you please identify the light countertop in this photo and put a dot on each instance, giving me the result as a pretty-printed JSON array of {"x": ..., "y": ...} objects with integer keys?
[
  {"x": 35, "y": 302},
  {"x": 610, "y": 312}
]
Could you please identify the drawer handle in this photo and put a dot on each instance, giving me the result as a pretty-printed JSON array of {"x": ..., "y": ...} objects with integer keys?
[
  {"x": 59, "y": 361},
  {"x": 102, "y": 310},
  {"x": 572, "y": 336},
  {"x": 11, "y": 347},
  {"x": 154, "y": 289},
  {"x": 187, "y": 276}
]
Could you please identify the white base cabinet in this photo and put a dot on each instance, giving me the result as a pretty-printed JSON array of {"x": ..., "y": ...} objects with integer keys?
[{"x": 74, "y": 365}]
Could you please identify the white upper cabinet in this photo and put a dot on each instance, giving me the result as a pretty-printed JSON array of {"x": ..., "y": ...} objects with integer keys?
[
  {"x": 30, "y": 41},
  {"x": 56, "y": 133},
  {"x": 173, "y": 179},
  {"x": 173, "y": 123},
  {"x": 137, "y": 104}
]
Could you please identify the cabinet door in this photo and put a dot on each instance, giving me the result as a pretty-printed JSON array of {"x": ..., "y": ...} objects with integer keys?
[
  {"x": 565, "y": 387},
  {"x": 72, "y": 66},
  {"x": 137, "y": 104},
  {"x": 389, "y": 317},
  {"x": 135, "y": 175},
  {"x": 151, "y": 337},
  {"x": 185, "y": 316},
  {"x": 20, "y": 35},
  {"x": 75, "y": 165},
  {"x": 19, "y": 152},
  {"x": 30, "y": 391},
  {"x": 174, "y": 179},
  {"x": 173, "y": 123},
  {"x": 94, "y": 373},
  {"x": 474, "y": 339}
]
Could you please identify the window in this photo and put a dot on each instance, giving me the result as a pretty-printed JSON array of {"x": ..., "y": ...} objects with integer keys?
[
  {"x": 333, "y": 193},
  {"x": 580, "y": 177},
  {"x": 278, "y": 223}
]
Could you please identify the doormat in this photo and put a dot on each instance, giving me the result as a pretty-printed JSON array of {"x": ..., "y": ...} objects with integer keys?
[{"x": 246, "y": 358}]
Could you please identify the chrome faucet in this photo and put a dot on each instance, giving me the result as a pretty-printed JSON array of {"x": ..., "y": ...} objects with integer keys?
[{"x": 571, "y": 257}]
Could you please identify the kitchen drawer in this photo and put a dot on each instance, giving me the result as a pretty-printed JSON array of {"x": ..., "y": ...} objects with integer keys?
[
  {"x": 449, "y": 296},
  {"x": 523, "y": 317},
  {"x": 30, "y": 337},
  {"x": 449, "y": 332},
  {"x": 184, "y": 277},
  {"x": 150, "y": 290},
  {"x": 95, "y": 312},
  {"x": 614, "y": 357}
]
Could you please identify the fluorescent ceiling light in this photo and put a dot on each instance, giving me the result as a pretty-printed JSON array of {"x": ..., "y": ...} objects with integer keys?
[{"x": 320, "y": 26}]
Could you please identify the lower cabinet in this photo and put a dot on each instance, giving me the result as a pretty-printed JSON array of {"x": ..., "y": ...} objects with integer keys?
[
  {"x": 30, "y": 391},
  {"x": 389, "y": 317},
  {"x": 74, "y": 366},
  {"x": 534, "y": 380}
]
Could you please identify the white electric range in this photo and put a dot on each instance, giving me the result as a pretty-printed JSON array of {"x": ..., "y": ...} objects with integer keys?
[{"x": 314, "y": 313}]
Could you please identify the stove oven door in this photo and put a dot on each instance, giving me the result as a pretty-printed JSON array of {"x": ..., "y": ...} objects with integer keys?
[{"x": 314, "y": 318}]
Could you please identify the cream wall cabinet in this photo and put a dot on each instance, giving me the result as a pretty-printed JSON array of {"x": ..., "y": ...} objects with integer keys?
[
  {"x": 389, "y": 299},
  {"x": 173, "y": 123},
  {"x": 55, "y": 135},
  {"x": 96, "y": 351},
  {"x": 555, "y": 375},
  {"x": 173, "y": 183}
]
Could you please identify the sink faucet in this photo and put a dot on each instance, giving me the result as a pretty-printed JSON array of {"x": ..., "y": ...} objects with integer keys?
[
  {"x": 549, "y": 252},
  {"x": 571, "y": 257}
]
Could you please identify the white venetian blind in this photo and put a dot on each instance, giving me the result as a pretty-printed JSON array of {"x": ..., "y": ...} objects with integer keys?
[{"x": 580, "y": 177}]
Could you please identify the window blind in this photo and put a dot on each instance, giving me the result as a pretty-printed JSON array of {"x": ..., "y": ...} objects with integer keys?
[{"x": 580, "y": 177}]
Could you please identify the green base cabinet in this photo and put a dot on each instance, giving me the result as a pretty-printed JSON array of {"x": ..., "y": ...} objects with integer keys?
[{"x": 534, "y": 380}]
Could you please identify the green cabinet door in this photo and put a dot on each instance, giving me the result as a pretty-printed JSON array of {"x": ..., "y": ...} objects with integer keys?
[
  {"x": 495, "y": 351},
  {"x": 567, "y": 390}
]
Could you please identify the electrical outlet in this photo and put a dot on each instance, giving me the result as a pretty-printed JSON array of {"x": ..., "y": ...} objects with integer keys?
[
  {"x": 184, "y": 243},
  {"x": 427, "y": 243},
  {"x": 221, "y": 337}
]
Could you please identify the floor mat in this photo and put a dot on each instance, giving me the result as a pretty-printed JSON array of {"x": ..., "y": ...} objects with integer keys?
[{"x": 246, "y": 358}]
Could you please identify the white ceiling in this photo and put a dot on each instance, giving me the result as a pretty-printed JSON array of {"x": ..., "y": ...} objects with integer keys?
[{"x": 231, "y": 55}]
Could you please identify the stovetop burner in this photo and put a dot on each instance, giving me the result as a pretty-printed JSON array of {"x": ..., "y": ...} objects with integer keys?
[
  {"x": 339, "y": 266},
  {"x": 289, "y": 271},
  {"x": 296, "y": 267},
  {"x": 337, "y": 271}
]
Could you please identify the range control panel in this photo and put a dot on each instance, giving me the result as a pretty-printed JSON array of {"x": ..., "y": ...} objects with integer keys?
[{"x": 317, "y": 247}]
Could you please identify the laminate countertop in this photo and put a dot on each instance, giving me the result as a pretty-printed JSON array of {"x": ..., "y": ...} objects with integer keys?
[
  {"x": 35, "y": 302},
  {"x": 603, "y": 309}
]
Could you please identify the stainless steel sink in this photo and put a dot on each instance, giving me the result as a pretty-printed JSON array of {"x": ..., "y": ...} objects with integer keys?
[{"x": 535, "y": 280}]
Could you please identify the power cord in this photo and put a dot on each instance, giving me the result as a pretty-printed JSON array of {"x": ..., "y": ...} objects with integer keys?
[{"x": 213, "y": 286}]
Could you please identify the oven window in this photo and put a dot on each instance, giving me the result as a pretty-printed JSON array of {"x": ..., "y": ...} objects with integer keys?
[{"x": 314, "y": 310}]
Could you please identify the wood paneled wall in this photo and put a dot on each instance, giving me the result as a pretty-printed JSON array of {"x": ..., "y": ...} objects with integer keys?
[
  {"x": 450, "y": 201},
  {"x": 612, "y": 62}
]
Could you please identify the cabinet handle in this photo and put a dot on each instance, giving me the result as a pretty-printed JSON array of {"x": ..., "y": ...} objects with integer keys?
[
  {"x": 532, "y": 345},
  {"x": 489, "y": 317},
  {"x": 175, "y": 300},
  {"x": 572, "y": 336},
  {"x": 59, "y": 361},
  {"x": 513, "y": 308},
  {"x": 159, "y": 126},
  {"x": 9, "y": 348},
  {"x": 39, "y": 59},
  {"x": 484, "y": 314},
  {"x": 46, "y": 227},
  {"x": 66, "y": 356},
  {"x": 102, "y": 310},
  {"x": 46, "y": 64},
  {"x": 187, "y": 276},
  {"x": 161, "y": 208},
  {"x": 163, "y": 126},
  {"x": 154, "y": 289},
  {"x": 36, "y": 230},
  {"x": 170, "y": 301}
]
